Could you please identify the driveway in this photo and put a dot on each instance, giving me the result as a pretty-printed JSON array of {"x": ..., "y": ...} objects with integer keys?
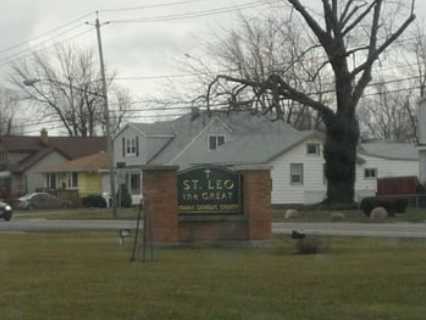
[{"x": 392, "y": 230}]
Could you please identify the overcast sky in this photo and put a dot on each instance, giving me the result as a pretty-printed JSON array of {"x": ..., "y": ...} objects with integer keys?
[{"x": 131, "y": 49}]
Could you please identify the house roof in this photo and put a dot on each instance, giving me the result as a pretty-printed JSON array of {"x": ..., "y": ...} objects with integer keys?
[
  {"x": 36, "y": 148},
  {"x": 92, "y": 163},
  {"x": 390, "y": 150},
  {"x": 255, "y": 138}
]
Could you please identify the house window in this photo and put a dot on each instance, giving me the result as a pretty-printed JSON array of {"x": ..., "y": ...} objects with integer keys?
[
  {"x": 296, "y": 173},
  {"x": 51, "y": 181},
  {"x": 370, "y": 173},
  {"x": 131, "y": 146},
  {"x": 73, "y": 180},
  {"x": 216, "y": 141},
  {"x": 135, "y": 183},
  {"x": 313, "y": 149}
]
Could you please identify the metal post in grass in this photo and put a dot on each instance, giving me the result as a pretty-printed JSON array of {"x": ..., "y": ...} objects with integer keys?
[
  {"x": 137, "y": 232},
  {"x": 142, "y": 245}
]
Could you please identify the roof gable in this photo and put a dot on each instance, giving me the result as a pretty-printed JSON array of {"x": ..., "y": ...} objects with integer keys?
[
  {"x": 69, "y": 147},
  {"x": 91, "y": 163}
]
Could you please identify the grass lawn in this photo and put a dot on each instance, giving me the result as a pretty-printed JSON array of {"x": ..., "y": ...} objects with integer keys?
[
  {"x": 88, "y": 276},
  {"x": 77, "y": 214},
  {"x": 411, "y": 215}
]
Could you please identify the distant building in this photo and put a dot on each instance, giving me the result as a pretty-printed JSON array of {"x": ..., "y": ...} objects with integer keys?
[
  {"x": 23, "y": 159},
  {"x": 240, "y": 138},
  {"x": 87, "y": 175}
]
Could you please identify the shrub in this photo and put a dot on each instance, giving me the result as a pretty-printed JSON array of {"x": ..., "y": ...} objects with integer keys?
[
  {"x": 310, "y": 245},
  {"x": 392, "y": 205},
  {"x": 94, "y": 201}
]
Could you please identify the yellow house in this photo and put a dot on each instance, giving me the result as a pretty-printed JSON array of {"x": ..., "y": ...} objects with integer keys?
[{"x": 88, "y": 175}]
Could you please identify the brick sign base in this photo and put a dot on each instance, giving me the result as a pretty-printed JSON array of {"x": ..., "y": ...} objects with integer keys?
[{"x": 169, "y": 227}]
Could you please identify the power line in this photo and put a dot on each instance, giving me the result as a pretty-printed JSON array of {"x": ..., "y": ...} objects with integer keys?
[
  {"x": 190, "y": 15},
  {"x": 196, "y": 74},
  {"x": 152, "y": 6},
  {"x": 24, "y": 54},
  {"x": 42, "y": 35},
  {"x": 190, "y": 106}
]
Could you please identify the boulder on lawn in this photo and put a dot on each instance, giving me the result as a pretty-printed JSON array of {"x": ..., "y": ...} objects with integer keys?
[
  {"x": 378, "y": 214},
  {"x": 337, "y": 216},
  {"x": 291, "y": 213}
]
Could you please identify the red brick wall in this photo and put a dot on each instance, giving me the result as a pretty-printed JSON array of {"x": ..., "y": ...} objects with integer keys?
[
  {"x": 257, "y": 187},
  {"x": 160, "y": 199},
  {"x": 212, "y": 231}
]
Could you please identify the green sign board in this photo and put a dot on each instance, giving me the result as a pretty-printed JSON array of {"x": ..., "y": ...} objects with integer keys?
[{"x": 209, "y": 190}]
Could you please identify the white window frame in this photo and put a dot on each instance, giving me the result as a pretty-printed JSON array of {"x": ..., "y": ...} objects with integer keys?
[
  {"x": 292, "y": 173},
  {"x": 368, "y": 176},
  {"x": 131, "y": 174},
  {"x": 49, "y": 178},
  {"x": 317, "y": 149},
  {"x": 71, "y": 185},
  {"x": 217, "y": 145},
  {"x": 130, "y": 146}
]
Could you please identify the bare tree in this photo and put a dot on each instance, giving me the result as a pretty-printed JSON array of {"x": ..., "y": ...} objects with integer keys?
[
  {"x": 8, "y": 105},
  {"x": 258, "y": 47},
  {"x": 66, "y": 86},
  {"x": 351, "y": 63},
  {"x": 389, "y": 114}
]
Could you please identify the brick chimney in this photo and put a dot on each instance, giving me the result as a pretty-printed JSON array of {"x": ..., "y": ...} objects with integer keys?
[{"x": 44, "y": 136}]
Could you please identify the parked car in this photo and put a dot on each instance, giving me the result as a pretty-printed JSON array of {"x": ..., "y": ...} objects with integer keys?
[
  {"x": 40, "y": 200},
  {"x": 5, "y": 211}
]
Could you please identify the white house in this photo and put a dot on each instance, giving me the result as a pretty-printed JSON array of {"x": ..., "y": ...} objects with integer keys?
[{"x": 239, "y": 138}]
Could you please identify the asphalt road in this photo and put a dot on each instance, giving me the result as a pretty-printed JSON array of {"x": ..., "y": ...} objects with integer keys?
[
  {"x": 399, "y": 230},
  {"x": 66, "y": 225}
]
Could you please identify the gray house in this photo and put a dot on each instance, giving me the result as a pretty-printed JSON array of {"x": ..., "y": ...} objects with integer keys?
[
  {"x": 23, "y": 159},
  {"x": 239, "y": 138}
]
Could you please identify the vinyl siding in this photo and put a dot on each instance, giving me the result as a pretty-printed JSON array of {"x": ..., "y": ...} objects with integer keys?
[
  {"x": 34, "y": 176},
  {"x": 283, "y": 192},
  {"x": 89, "y": 183},
  {"x": 130, "y": 160},
  {"x": 385, "y": 168},
  {"x": 314, "y": 189}
]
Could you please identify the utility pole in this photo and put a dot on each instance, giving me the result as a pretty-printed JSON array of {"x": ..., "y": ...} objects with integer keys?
[{"x": 110, "y": 144}]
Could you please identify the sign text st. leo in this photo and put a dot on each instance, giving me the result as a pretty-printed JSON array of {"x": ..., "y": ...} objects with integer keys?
[{"x": 209, "y": 190}]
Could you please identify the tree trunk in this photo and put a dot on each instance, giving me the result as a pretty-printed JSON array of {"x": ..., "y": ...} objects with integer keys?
[{"x": 342, "y": 133}]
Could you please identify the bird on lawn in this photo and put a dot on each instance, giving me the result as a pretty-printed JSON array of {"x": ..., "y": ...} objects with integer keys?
[{"x": 297, "y": 235}]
